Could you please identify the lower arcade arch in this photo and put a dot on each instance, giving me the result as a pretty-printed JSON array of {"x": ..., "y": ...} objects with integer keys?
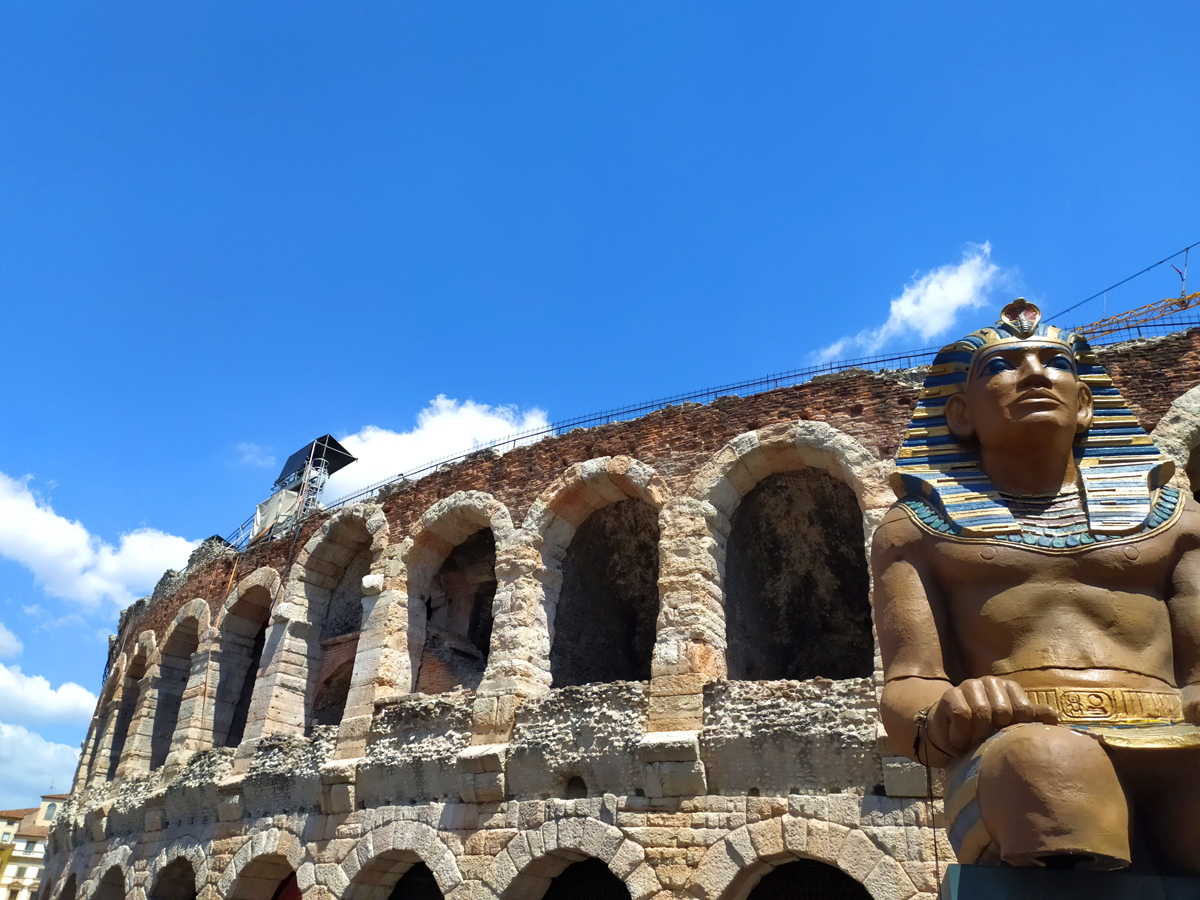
[
  {"x": 111, "y": 886},
  {"x": 174, "y": 667},
  {"x": 394, "y": 875},
  {"x": 176, "y": 881},
  {"x": 69, "y": 888},
  {"x": 807, "y": 879},
  {"x": 268, "y": 877},
  {"x": 588, "y": 879}
]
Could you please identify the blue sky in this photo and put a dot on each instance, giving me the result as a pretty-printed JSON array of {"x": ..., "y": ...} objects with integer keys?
[{"x": 228, "y": 228}]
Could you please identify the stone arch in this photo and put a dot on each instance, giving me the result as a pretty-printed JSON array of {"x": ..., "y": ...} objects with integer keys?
[
  {"x": 185, "y": 849},
  {"x": 130, "y": 747},
  {"x": 381, "y": 857},
  {"x": 240, "y": 642},
  {"x": 446, "y": 526},
  {"x": 531, "y": 860},
  {"x": 93, "y": 764},
  {"x": 262, "y": 864},
  {"x": 1177, "y": 435},
  {"x": 324, "y": 572},
  {"x": 731, "y": 867},
  {"x": 176, "y": 684},
  {"x": 113, "y": 861},
  {"x": 68, "y": 889},
  {"x": 692, "y": 629},
  {"x": 564, "y": 507}
]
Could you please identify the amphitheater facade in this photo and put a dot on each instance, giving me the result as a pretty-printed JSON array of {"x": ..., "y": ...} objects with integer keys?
[{"x": 632, "y": 661}]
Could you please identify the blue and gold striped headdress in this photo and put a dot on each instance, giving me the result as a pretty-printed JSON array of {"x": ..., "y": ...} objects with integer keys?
[{"x": 1119, "y": 465}]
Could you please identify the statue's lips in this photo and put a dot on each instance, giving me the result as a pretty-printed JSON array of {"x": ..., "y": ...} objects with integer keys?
[{"x": 1039, "y": 398}]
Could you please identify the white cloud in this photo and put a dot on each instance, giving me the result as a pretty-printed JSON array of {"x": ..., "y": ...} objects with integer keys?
[
  {"x": 31, "y": 699},
  {"x": 444, "y": 427},
  {"x": 71, "y": 563},
  {"x": 10, "y": 644},
  {"x": 31, "y": 764},
  {"x": 927, "y": 307},
  {"x": 254, "y": 455}
]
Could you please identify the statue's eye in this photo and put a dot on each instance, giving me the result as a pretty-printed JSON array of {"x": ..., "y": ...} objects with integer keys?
[
  {"x": 996, "y": 365},
  {"x": 1059, "y": 361}
]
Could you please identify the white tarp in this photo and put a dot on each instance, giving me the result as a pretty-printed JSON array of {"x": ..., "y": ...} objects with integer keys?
[{"x": 279, "y": 507}]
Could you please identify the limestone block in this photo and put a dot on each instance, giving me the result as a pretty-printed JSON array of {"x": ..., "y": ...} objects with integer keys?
[
  {"x": 372, "y": 585},
  {"x": 99, "y": 827},
  {"x": 628, "y": 857},
  {"x": 229, "y": 809},
  {"x": 482, "y": 758},
  {"x": 341, "y": 798},
  {"x": 904, "y": 778},
  {"x": 674, "y": 779},
  {"x": 795, "y": 835},
  {"x": 642, "y": 883},
  {"x": 669, "y": 746},
  {"x": 717, "y": 870},
  {"x": 154, "y": 818},
  {"x": 767, "y": 838},
  {"x": 825, "y": 840},
  {"x": 888, "y": 881},
  {"x": 859, "y": 855}
]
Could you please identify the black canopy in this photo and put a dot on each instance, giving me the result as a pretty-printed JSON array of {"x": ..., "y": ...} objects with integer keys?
[{"x": 326, "y": 448}]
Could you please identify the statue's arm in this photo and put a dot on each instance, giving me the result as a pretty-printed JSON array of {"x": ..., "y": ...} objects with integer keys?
[
  {"x": 914, "y": 671},
  {"x": 1184, "y": 609}
]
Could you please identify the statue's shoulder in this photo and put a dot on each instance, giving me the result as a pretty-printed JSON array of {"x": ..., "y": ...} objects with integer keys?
[
  {"x": 897, "y": 532},
  {"x": 1189, "y": 520}
]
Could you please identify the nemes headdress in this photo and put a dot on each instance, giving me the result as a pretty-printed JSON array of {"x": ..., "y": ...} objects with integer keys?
[{"x": 940, "y": 478}]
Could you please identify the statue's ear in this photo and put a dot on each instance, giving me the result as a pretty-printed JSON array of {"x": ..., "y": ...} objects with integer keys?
[
  {"x": 1083, "y": 419},
  {"x": 957, "y": 418}
]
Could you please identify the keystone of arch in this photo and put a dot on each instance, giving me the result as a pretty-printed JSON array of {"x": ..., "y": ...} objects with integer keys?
[
  {"x": 585, "y": 488},
  {"x": 337, "y": 538},
  {"x": 264, "y": 577},
  {"x": 272, "y": 842},
  {"x": 531, "y": 859},
  {"x": 415, "y": 838},
  {"x": 731, "y": 868},
  {"x": 194, "y": 609},
  {"x": 449, "y": 522}
]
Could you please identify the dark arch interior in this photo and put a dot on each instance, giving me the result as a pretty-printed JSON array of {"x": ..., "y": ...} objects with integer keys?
[
  {"x": 589, "y": 879},
  {"x": 68, "y": 891},
  {"x": 458, "y": 617},
  {"x": 176, "y": 881},
  {"x": 604, "y": 622},
  {"x": 806, "y": 879},
  {"x": 174, "y": 666},
  {"x": 111, "y": 886},
  {"x": 244, "y": 635},
  {"x": 417, "y": 883},
  {"x": 340, "y": 628},
  {"x": 796, "y": 581},
  {"x": 266, "y": 878},
  {"x": 576, "y": 788},
  {"x": 130, "y": 687}
]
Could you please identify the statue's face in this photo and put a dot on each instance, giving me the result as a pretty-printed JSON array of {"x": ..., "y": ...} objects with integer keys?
[{"x": 1018, "y": 393}]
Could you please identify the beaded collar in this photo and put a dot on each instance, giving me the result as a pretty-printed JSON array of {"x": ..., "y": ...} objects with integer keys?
[{"x": 1165, "y": 511}]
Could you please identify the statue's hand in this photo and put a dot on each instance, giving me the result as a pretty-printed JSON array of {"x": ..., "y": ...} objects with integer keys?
[
  {"x": 1191, "y": 703},
  {"x": 977, "y": 709}
]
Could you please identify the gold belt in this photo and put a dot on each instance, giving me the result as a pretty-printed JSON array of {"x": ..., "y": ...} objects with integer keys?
[{"x": 1101, "y": 706}]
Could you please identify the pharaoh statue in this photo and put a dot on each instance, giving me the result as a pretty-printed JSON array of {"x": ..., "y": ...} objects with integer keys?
[{"x": 1037, "y": 599}]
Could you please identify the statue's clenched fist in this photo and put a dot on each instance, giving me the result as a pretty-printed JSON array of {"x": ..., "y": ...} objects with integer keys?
[{"x": 977, "y": 709}]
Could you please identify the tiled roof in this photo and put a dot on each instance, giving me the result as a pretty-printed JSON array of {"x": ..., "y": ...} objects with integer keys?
[{"x": 17, "y": 813}]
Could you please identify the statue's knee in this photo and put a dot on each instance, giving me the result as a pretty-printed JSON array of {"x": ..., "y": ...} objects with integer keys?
[{"x": 1045, "y": 790}]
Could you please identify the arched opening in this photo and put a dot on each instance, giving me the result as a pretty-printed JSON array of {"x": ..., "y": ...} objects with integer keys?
[
  {"x": 576, "y": 788},
  {"x": 345, "y": 555},
  {"x": 243, "y": 636},
  {"x": 268, "y": 877},
  {"x": 176, "y": 881},
  {"x": 130, "y": 688},
  {"x": 417, "y": 883},
  {"x": 51, "y": 812},
  {"x": 807, "y": 879},
  {"x": 111, "y": 886},
  {"x": 796, "y": 581},
  {"x": 174, "y": 667},
  {"x": 68, "y": 891},
  {"x": 458, "y": 617},
  {"x": 605, "y": 620},
  {"x": 589, "y": 879},
  {"x": 394, "y": 875}
]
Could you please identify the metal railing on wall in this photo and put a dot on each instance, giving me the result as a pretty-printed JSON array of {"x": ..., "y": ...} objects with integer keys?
[{"x": 907, "y": 360}]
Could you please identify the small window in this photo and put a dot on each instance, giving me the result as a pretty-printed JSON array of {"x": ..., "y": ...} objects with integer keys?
[
  {"x": 13, "y": 893},
  {"x": 50, "y": 811},
  {"x": 30, "y": 846},
  {"x": 7, "y": 837},
  {"x": 21, "y": 871}
]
